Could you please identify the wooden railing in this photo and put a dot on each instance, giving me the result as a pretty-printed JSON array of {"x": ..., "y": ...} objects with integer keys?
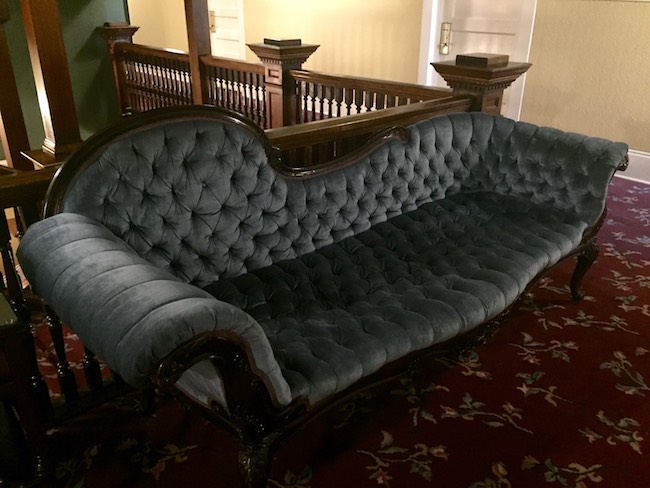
[
  {"x": 323, "y": 95},
  {"x": 316, "y": 142},
  {"x": 151, "y": 78},
  {"x": 273, "y": 93},
  {"x": 238, "y": 86}
]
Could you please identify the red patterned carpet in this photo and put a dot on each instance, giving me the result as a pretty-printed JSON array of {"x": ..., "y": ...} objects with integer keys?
[{"x": 559, "y": 397}]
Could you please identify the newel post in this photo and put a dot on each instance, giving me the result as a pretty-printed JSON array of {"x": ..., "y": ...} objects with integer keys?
[
  {"x": 115, "y": 32},
  {"x": 52, "y": 80},
  {"x": 197, "y": 20},
  {"x": 279, "y": 57},
  {"x": 13, "y": 132},
  {"x": 483, "y": 76}
]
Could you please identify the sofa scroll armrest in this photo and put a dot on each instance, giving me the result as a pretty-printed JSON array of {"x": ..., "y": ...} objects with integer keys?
[{"x": 131, "y": 313}]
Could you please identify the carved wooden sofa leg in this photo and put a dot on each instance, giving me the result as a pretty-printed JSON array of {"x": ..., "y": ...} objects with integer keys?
[
  {"x": 585, "y": 259},
  {"x": 255, "y": 464},
  {"x": 254, "y": 419}
]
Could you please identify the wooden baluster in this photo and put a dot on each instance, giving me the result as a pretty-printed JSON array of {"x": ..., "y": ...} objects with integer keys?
[
  {"x": 142, "y": 84},
  {"x": 14, "y": 287},
  {"x": 158, "y": 100},
  {"x": 209, "y": 71},
  {"x": 230, "y": 90},
  {"x": 402, "y": 100},
  {"x": 348, "y": 97},
  {"x": 19, "y": 305},
  {"x": 217, "y": 86},
  {"x": 265, "y": 113},
  {"x": 65, "y": 374},
  {"x": 122, "y": 85},
  {"x": 146, "y": 84},
  {"x": 331, "y": 102},
  {"x": 240, "y": 92},
  {"x": 137, "y": 85},
  {"x": 369, "y": 100},
  {"x": 249, "y": 96},
  {"x": 137, "y": 82},
  {"x": 224, "y": 88},
  {"x": 188, "y": 84},
  {"x": 154, "y": 101},
  {"x": 380, "y": 101},
  {"x": 214, "y": 90},
  {"x": 178, "y": 80},
  {"x": 338, "y": 97},
  {"x": 312, "y": 99},
  {"x": 303, "y": 101},
  {"x": 92, "y": 371},
  {"x": 235, "y": 90},
  {"x": 390, "y": 101},
  {"x": 358, "y": 100},
  {"x": 260, "y": 100},
  {"x": 321, "y": 99},
  {"x": 169, "y": 83},
  {"x": 162, "y": 81},
  {"x": 128, "y": 83},
  {"x": 157, "y": 83},
  {"x": 135, "y": 91},
  {"x": 314, "y": 102}
]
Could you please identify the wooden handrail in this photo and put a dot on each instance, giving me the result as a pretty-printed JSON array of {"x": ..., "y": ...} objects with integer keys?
[
  {"x": 233, "y": 64},
  {"x": 123, "y": 49},
  {"x": 408, "y": 90},
  {"x": 19, "y": 188},
  {"x": 321, "y": 131}
]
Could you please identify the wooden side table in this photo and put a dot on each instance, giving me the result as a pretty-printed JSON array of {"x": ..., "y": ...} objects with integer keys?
[{"x": 16, "y": 389}]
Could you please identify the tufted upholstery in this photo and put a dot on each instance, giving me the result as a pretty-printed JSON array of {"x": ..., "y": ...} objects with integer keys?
[
  {"x": 340, "y": 313},
  {"x": 341, "y": 273},
  {"x": 198, "y": 199}
]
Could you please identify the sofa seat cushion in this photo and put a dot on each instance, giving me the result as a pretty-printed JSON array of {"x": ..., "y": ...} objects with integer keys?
[{"x": 340, "y": 313}]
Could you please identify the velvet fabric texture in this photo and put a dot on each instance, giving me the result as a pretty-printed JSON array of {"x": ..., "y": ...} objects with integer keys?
[{"x": 328, "y": 278}]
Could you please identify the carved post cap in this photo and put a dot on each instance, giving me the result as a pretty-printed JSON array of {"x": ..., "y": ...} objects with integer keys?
[
  {"x": 115, "y": 32},
  {"x": 483, "y": 76},
  {"x": 290, "y": 53},
  {"x": 279, "y": 56}
]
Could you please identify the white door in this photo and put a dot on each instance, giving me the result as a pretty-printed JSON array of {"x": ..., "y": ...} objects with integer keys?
[
  {"x": 503, "y": 27},
  {"x": 227, "y": 28}
]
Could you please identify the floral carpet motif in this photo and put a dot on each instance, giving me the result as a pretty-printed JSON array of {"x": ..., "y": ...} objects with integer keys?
[{"x": 558, "y": 397}]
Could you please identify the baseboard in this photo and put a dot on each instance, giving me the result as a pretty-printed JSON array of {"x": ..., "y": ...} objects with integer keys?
[{"x": 639, "y": 167}]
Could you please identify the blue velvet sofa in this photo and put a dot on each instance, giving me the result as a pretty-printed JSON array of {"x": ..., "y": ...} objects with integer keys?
[{"x": 187, "y": 257}]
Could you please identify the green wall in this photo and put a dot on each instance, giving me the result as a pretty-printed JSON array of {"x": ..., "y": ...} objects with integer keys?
[{"x": 88, "y": 60}]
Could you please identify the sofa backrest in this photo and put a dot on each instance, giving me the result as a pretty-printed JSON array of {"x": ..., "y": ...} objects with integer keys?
[{"x": 192, "y": 192}]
